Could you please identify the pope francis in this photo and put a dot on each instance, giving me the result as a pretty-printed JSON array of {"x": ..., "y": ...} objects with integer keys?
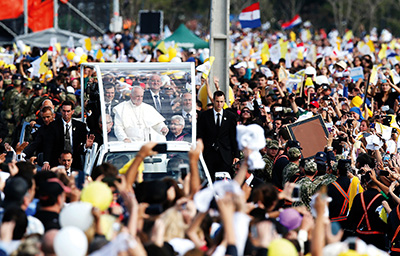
[{"x": 138, "y": 121}]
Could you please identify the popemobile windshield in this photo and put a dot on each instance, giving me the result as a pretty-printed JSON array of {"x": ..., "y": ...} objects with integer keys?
[{"x": 138, "y": 102}]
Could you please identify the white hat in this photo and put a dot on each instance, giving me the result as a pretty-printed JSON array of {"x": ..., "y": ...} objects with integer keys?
[
  {"x": 241, "y": 65},
  {"x": 310, "y": 71},
  {"x": 321, "y": 80},
  {"x": 341, "y": 64},
  {"x": 118, "y": 36},
  {"x": 70, "y": 89}
]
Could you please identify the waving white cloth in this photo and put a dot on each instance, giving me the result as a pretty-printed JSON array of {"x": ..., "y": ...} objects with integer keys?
[{"x": 252, "y": 137}]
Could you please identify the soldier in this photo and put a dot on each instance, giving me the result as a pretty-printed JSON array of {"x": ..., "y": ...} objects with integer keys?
[
  {"x": 325, "y": 179},
  {"x": 11, "y": 110},
  {"x": 292, "y": 168},
  {"x": 7, "y": 85},
  {"x": 269, "y": 158},
  {"x": 34, "y": 103},
  {"x": 281, "y": 161},
  {"x": 55, "y": 96},
  {"x": 322, "y": 178},
  {"x": 307, "y": 187},
  {"x": 24, "y": 97}
]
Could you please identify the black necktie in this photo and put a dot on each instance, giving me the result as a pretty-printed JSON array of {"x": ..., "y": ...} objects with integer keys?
[
  {"x": 218, "y": 124},
  {"x": 67, "y": 142},
  {"x": 157, "y": 103},
  {"x": 107, "y": 108}
]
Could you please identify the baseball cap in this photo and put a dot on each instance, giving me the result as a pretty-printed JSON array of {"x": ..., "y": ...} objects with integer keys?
[
  {"x": 310, "y": 166},
  {"x": 290, "y": 218},
  {"x": 326, "y": 87},
  {"x": 314, "y": 104},
  {"x": 240, "y": 65},
  {"x": 293, "y": 144},
  {"x": 56, "y": 90},
  {"x": 37, "y": 87},
  {"x": 14, "y": 191},
  {"x": 52, "y": 187},
  {"x": 27, "y": 85},
  {"x": 17, "y": 77},
  {"x": 70, "y": 90},
  {"x": 310, "y": 71},
  {"x": 273, "y": 144},
  {"x": 294, "y": 152},
  {"x": 321, "y": 80},
  {"x": 320, "y": 157}
]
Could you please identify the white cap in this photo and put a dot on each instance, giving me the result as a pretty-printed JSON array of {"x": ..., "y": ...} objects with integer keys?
[
  {"x": 321, "y": 80},
  {"x": 70, "y": 89},
  {"x": 241, "y": 65},
  {"x": 310, "y": 71}
]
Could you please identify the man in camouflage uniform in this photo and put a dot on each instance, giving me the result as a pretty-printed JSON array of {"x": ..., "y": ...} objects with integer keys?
[
  {"x": 24, "y": 97},
  {"x": 34, "y": 103},
  {"x": 307, "y": 187},
  {"x": 11, "y": 110},
  {"x": 269, "y": 158},
  {"x": 292, "y": 168},
  {"x": 323, "y": 178}
]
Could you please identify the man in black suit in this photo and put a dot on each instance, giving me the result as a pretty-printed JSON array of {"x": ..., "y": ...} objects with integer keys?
[
  {"x": 37, "y": 145},
  {"x": 109, "y": 99},
  {"x": 217, "y": 128},
  {"x": 66, "y": 134},
  {"x": 187, "y": 112},
  {"x": 157, "y": 99}
]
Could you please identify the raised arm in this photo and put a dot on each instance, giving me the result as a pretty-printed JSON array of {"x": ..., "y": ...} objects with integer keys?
[
  {"x": 194, "y": 156},
  {"x": 145, "y": 151}
]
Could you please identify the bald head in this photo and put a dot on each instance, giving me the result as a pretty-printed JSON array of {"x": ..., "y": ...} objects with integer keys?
[
  {"x": 187, "y": 102},
  {"x": 155, "y": 83},
  {"x": 47, "y": 102}
]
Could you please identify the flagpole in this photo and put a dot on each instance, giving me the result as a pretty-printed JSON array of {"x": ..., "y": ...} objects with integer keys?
[
  {"x": 55, "y": 11},
  {"x": 219, "y": 44},
  {"x": 25, "y": 16}
]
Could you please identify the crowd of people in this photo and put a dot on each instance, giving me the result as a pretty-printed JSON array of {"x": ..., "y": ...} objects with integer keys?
[{"x": 341, "y": 200}]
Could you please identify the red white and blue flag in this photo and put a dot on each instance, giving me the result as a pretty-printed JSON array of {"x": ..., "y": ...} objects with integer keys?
[
  {"x": 250, "y": 16},
  {"x": 292, "y": 23}
]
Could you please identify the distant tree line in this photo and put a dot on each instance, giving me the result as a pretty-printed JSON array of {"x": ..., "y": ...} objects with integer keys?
[{"x": 359, "y": 15}]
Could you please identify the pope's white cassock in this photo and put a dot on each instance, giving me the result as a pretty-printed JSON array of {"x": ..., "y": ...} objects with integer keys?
[{"x": 138, "y": 123}]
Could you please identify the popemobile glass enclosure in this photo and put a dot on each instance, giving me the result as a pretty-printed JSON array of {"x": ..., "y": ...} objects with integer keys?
[
  {"x": 139, "y": 102},
  {"x": 126, "y": 105}
]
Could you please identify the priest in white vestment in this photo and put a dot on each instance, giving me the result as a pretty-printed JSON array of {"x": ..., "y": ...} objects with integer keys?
[{"x": 137, "y": 121}]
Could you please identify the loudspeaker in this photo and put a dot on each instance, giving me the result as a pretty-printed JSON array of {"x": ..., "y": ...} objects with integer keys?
[{"x": 151, "y": 22}]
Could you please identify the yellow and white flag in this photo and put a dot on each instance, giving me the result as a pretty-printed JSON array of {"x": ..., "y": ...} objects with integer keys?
[
  {"x": 39, "y": 66},
  {"x": 205, "y": 68}
]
